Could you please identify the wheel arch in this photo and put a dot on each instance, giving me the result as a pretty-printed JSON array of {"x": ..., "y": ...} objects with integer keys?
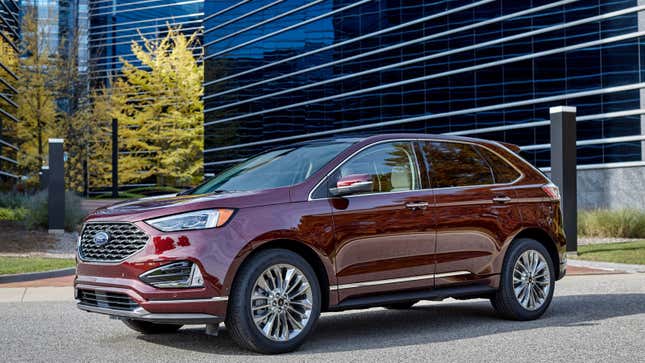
[
  {"x": 313, "y": 257},
  {"x": 544, "y": 239}
]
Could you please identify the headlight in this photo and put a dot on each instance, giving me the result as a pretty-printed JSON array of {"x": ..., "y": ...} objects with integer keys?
[{"x": 194, "y": 220}]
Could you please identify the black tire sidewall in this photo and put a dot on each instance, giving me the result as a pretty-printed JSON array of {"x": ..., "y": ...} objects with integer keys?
[
  {"x": 506, "y": 284},
  {"x": 241, "y": 295}
]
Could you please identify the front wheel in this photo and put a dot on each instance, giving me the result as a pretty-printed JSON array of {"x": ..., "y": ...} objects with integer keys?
[
  {"x": 527, "y": 282},
  {"x": 274, "y": 303}
]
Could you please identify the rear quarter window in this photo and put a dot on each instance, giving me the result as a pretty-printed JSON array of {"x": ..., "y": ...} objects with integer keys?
[{"x": 502, "y": 170}]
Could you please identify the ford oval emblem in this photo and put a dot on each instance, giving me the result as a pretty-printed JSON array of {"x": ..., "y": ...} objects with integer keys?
[{"x": 101, "y": 238}]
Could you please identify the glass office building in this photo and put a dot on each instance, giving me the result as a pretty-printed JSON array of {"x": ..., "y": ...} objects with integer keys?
[
  {"x": 114, "y": 24},
  {"x": 9, "y": 35},
  {"x": 283, "y": 71}
]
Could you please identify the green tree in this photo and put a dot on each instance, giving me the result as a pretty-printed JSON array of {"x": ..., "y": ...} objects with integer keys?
[{"x": 160, "y": 113}]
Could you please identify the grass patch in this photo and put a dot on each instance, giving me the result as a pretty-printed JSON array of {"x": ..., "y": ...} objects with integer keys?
[
  {"x": 18, "y": 265},
  {"x": 625, "y": 223},
  {"x": 625, "y": 252}
]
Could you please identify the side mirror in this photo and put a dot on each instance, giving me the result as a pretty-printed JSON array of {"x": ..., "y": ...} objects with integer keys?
[{"x": 352, "y": 184}]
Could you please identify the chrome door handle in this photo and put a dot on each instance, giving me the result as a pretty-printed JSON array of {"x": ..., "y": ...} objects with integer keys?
[
  {"x": 417, "y": 205},
  {"x": 501, "y": 199}
]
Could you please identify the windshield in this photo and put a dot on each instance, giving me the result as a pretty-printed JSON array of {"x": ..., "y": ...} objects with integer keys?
[{"x": 273, "y": 169}]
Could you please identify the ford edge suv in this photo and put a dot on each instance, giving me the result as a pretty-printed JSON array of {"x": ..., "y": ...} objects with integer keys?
[{"x": 328, "y": 225}]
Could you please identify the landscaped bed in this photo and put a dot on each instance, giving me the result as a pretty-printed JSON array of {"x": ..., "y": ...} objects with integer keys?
[
  {"x": 624, "y": 252},
  {"x": 18, "y": 265}
]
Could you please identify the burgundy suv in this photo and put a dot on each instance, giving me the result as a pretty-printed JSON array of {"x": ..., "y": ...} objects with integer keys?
[{"x": 328, "y": 225}]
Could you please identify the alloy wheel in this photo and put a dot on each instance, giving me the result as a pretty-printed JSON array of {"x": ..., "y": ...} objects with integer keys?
[
  {"x": 531, "y": 280},
  {"x": 281, "y": 302}
]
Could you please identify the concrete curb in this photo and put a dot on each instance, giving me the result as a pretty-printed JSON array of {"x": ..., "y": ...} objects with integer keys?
[
  {"x": 607, "y": 266},
  {"x": 4, "y": 279}
]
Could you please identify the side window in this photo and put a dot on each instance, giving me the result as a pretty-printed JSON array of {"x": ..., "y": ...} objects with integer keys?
[
  {"x": 502, "y": 170},
  {"x": 455, "y": 164},
  {"x": 391, "y": 167}
]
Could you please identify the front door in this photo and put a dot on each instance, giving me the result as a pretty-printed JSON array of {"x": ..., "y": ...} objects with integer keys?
[{"x": 384, "y": 236}]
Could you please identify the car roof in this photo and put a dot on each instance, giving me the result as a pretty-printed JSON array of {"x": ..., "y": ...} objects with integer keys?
[{"x": 380, "y": 137}]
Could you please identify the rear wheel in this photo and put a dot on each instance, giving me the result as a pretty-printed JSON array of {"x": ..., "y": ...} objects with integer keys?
[
  {"x": 401, "y": 306},
  {"x": 150, "y": 328},
  {"x": 274, "y": 303},
  {"x": 527, "y": 282}
]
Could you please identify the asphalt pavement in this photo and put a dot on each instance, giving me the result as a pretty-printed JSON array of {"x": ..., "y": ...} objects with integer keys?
[{"x": 597, "y": 318}]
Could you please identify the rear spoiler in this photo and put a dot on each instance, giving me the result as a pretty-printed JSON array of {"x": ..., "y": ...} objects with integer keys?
[{"x": 513, "y": 147}]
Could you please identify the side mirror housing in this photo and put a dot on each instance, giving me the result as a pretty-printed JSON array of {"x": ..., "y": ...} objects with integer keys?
[{"x": 352, "y": 184}]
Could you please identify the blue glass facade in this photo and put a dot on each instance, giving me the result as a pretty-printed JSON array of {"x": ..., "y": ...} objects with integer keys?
[
  {"x": 9, "y": 35},
  {"x": 283, "y": 71},
  {"x": 114, "y": 24}
]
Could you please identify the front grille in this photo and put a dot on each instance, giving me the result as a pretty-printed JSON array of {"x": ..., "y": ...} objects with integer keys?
[
  {"x": 104, "y": 299},
  {"x": 124, "y": 239}
]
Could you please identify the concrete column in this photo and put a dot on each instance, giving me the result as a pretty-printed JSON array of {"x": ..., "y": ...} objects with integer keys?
[
  {"x": 563, "y": 168},
  {"x": 56, "y": 188}
]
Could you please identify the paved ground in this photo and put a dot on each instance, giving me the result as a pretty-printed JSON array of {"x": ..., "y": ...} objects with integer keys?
[{"x": 592, "y": 318}]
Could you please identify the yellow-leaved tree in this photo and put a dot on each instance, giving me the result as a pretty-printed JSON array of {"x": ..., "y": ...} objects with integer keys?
[
  {"x": 160, "y": 112},
  {"x": 36, "y": 98}
]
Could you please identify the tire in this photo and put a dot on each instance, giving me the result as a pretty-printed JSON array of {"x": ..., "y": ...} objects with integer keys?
[
  {"x": 530, "y": 283},
  {"x": 255, "y": 279},
  {"x": 401, "y": 305},
  {"x": 145, "y": 327}
]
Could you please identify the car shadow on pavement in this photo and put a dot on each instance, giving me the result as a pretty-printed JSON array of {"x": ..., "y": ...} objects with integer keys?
[{"x": 427, "y": 323}]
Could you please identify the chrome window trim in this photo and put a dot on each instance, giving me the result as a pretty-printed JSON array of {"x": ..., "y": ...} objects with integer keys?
[
  {"x": 398, "y": 280},
  {"x": 434, "y": 75},
  {"x": 413, "y": 140},
  {"x": 407, "y": 62},
  {"x": 99, "y": 262},
  {"x": 598, "y": 91}
]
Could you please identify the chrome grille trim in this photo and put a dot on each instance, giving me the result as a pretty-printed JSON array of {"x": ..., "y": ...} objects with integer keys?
[
  {"x": 107, "y": 300},
  {"x": 126, "y": 239}
]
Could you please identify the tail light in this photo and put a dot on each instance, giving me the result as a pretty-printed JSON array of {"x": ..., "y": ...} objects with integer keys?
[{"x": 551, "y": 191}]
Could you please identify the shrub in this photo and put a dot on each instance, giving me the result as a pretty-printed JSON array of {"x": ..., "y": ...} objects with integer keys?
[
  {"x": 12, "y": 214},
  {"x": 13, "y": 200},
  {"x": 36, "y": 215},
  {"x": 122, "y": 195},
  {"x": 625, "y": 223},
  {"x": 154, "y": 190}
]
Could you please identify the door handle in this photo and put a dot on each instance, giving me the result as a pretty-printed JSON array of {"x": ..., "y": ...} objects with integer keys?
[
  {"x": 417, "y": 205},
  {"x": 502, "y": 199}
]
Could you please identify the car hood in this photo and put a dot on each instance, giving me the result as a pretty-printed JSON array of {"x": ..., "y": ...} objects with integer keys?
[{"x": 152, "y": 207}]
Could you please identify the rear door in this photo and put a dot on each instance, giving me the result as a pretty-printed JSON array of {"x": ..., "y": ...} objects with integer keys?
[
  {"x": 474, "y": 213},
  {"x": 384, "y": 237}
]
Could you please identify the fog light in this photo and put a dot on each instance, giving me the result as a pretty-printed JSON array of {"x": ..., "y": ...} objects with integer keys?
[{"x": 174, "y": 275}]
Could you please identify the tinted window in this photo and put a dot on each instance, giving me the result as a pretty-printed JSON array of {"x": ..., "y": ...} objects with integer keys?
[
  {"x": 391, "y": 167},
  {"x": 455, "y": 164},
  {"x": 502, "y": 170},
  {"x": 275, "y": 168}
]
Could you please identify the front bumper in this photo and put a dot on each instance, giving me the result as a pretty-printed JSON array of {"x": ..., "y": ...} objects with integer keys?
[{"x": 159, "y": 318}]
